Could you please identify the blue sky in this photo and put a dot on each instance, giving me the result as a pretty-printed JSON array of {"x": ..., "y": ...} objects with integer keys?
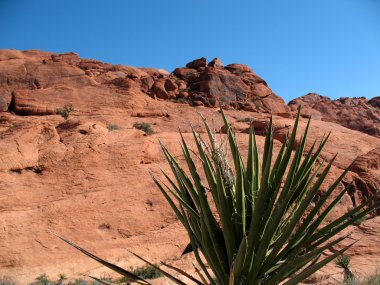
[{"x": 331, "y": 47}]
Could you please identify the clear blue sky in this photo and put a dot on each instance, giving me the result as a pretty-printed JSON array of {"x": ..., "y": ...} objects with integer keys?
[{"x": 331, "y": 47}]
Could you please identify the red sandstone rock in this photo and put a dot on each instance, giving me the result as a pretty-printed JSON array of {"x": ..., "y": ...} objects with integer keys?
[
  {"x": 222, "y": 85},
  {"x": 183, "y": 73},
  {"x": 216, "y": 62},
  {"x": 367, "y": 181},
  {"x": 197, "y": 63},
  {"x": 375, "y": 102},
  {"x": 25, "y": 103},
  {"x": 354, "y": 113},
  {"x": 237, "y": 86},
  {"x": 238, "y": 68},
  {"x": 165, "y": 88},
  {"x": 90, "y": 183}
]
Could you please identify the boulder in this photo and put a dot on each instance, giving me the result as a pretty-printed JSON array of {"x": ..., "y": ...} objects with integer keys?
[
  {"x": 216, "y": 63},
  {"x": 236, "y": 86},
  {"x": 70, "y": 57},
  {"x": 165, "y": 88},
  {"x": 125, "y": 83},
  {"x": 184, "y": 73},
  {"x": 197, "y": 63},
  {"x": 374, "y": 102},
  {"x": 367, "y": 181},
  {"x": 222, "y": 85},
  {"x": 146, "y": 84},
  {"x": 238, "y": 68}
]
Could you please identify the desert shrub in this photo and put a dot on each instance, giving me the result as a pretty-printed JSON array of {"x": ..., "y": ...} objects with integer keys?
[
  {"x": 113, "y": 127},
  {"x": 371, "y": 280},
  {"x": 145, "y": 127},
  {"x": 65, "y": 111},
  {"x": 189, "y": 73},
  {"x": 265, "y": 230},
  {"x": 5, "y": 281},
  {"x": 83, "y": 282},
  {"x": 244, "y": 120},
  {"x": 43, "y": 279},
  {"x": 343, "y": 261},
  {"x": 145, "y": 272}
]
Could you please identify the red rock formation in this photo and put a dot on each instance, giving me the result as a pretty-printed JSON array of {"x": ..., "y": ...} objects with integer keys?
[
  {"x": 165, "y": 88},
  {"x": 354, "y": 113},
  {"x": 197, "y": 63},
  {"x": 89, "y": 182},
  {"x": 367, "y": 181},
  {"x": 37, "y": 74},
  {"x": 216, "y": 62},
  {"x": 235, "y": 86}
]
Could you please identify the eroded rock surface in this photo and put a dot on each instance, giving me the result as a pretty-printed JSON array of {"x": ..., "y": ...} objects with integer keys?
[
  {"x": 37, "y": 83},
  {"x": 355, "y": 113}
]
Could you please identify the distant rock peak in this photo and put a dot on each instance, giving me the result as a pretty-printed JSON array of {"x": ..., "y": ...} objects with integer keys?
[{"x": 354, "y": 113}]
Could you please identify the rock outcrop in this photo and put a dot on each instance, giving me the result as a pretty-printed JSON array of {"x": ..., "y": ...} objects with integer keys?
[
  {"x": 234, "y": 85},
  {"x": 367, "y": 180},
  {"x": 355, "y": 113},
  {"x": 37, "y": 83}
]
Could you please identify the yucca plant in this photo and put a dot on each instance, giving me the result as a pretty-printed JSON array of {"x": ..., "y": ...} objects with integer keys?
[{"x": 254, "y": 222}]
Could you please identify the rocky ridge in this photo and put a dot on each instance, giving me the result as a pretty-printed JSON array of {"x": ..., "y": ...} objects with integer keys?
[
  {"x": 88, "y": 181},
  {"x": 33, "y": 77},
  {"x": 358, "y": 114}
]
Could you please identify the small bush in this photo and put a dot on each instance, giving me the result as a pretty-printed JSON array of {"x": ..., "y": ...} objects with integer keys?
[
  {"x": 343, "y": 261},
  {"x": 145, "y": 127},
  {"x": 42, "y": 280},
  {"x": 65, "y": 111},
  {"x": 82, "y": 282},
  {"x": 244, "y": 120},
  {"x": 145, "y": 272},
  {"x": 370, "y": 280},
  {"x": 190, "y": 73},
  {"x": 5, "y": 281},
  {"x": 113, "y": 127}
]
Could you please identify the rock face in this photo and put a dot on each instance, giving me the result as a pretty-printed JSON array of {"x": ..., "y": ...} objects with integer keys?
[
  {"x": 87, "y": 179},
  {"x": 355, "y": 113},
  {"x": 37, "y": 83},
  {"x": 235, "y": 85},
  {"x": 367, "y": 168}
]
